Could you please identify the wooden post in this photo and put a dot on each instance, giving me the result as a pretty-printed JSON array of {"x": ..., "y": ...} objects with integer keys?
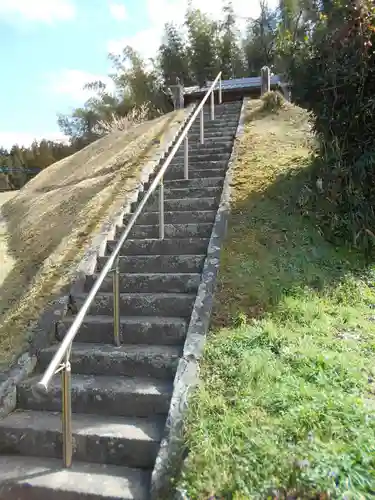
[{"x": 265, "y": 80}]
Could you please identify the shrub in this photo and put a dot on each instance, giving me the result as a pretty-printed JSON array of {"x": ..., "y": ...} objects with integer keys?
[
  {"x": 122, "y": 123},
  {"x": 273, "y": 101}
]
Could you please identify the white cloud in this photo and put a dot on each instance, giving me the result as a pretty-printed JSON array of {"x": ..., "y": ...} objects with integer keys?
[
  {"x": 118, "y": 11},
  {"x": 71, "y": 82},
  {"x": 46, "y": 11},
  {"x": 8, "y": 139},
  {"x": 161, "y": 11}
]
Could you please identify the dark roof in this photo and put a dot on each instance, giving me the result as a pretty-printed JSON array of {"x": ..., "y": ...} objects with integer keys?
[{"x": 234, "y": 84}]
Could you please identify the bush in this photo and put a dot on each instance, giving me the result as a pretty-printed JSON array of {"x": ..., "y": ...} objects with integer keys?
[
  {"x": 273, "y": 101},
  {"x": 123, "y": 123},
  {"x": 336, "y": 82}
]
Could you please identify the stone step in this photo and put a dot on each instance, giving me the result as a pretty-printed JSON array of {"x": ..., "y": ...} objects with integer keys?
[
  {"x": 220, "y": 130},
  {"x": 101, "y": 395},
  {"x": 216, "y": 182},
  {"x": 159, "y": 282},
  {"x": 224, "y": 105},
  {"x": 155, "y": 361},
  {"x": 176, "y": 217},
  {"x": 195, "y": 171},
  {"x": 184, "y": 193},
  {"x": 208, "y": 148},
  {"x": 34, "y": 478},
  {"x": 184, "y": 204},
  {"x": 210, "y": 137},
  {"x": 196, "y": 174},
  {"x": 142, "y": 304},
  {"x": 200, "y": 230},
  {"x": 202, "y": 198},
  {"x": 133, "y": 330},
  {"x": 203, "y": 157},
  {"x": 217, "y": 134},
  {"x": 177, "y": 165},
  {"x": 139, "y": 264},
  {"x": 121, "y": 395},
  {"x": 222, "y": 108},
  {"x": 183, "y": 246},
  {"x": 219, "y": 115},
  {"x": 178, "y": 174},
  {"x": 225, "y": 125},
  {"x": 133, "y": 442}
]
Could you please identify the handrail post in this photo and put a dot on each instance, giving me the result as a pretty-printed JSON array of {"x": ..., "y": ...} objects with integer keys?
[
  {"x": 66, "y": 384},
  {"x": 116, "y": 303},
  {"x": 202, "y": 125},
  {"x": 212, "y": 106},
  {"x": 161, "y": 209},
  {"x": 186, "y": 158},
  {"x": 220, "y": 92}
]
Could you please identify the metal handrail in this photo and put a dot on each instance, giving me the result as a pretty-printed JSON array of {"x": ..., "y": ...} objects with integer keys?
[{"x": 60, "y": 362}]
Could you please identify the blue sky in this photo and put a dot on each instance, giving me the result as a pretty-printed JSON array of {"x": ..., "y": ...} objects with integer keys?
[{"x": 50, "y": 48}]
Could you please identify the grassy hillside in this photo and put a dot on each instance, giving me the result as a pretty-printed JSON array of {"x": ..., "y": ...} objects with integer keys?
[
  {"x": 47, "y": 226},
  {"x": 285, "y": 407}
]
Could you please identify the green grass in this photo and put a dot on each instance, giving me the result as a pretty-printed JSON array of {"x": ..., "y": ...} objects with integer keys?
[{"x": 285, "y": 406}]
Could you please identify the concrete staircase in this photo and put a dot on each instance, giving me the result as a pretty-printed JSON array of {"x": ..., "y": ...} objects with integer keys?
[{"x": 121, "y": 396}]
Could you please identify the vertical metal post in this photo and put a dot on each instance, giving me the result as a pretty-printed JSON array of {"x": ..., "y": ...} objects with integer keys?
[
  {"x": 161, "y": 209},
  {"x": 220, "y": 92},
  {"x": 116, "y": 303},
  {"x": 202, "y": 125},
  {"x": 212, "y": 106},
  {"x": 66, "y": 384},
  {"x": 186, "y": 158}
]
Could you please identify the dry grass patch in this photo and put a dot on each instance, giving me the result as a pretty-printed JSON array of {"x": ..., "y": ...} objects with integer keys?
[
  {"x": 6, "y": 196},
  {"x": 6, "y": 260},
  {"x": 50, "y": 222}
]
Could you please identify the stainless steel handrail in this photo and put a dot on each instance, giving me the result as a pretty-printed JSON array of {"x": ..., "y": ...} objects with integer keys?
[{"x": 60, "y": 362}]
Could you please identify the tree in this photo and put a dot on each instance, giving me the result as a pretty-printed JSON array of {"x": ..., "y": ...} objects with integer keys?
[
  {"x": 173, "y": 57},
  {"x": 202, "y": 49},
  {"x": 137, "y": 83},
  {"x": 260, "y": 40},
  {"x": 80, "y": 125},
  {"x": 232, "y": 58}
]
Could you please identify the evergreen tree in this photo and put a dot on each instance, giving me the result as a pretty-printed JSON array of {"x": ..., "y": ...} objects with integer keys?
[
  {"x": 202, "y": 46},
  {"x": 231, "y": 55},
  {"x": 260, "y": 40},
  {"x": 173, "y": 57}
]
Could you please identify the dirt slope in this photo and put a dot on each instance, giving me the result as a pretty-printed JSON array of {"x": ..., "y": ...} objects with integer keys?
[{"x": 48, "y": 223}]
